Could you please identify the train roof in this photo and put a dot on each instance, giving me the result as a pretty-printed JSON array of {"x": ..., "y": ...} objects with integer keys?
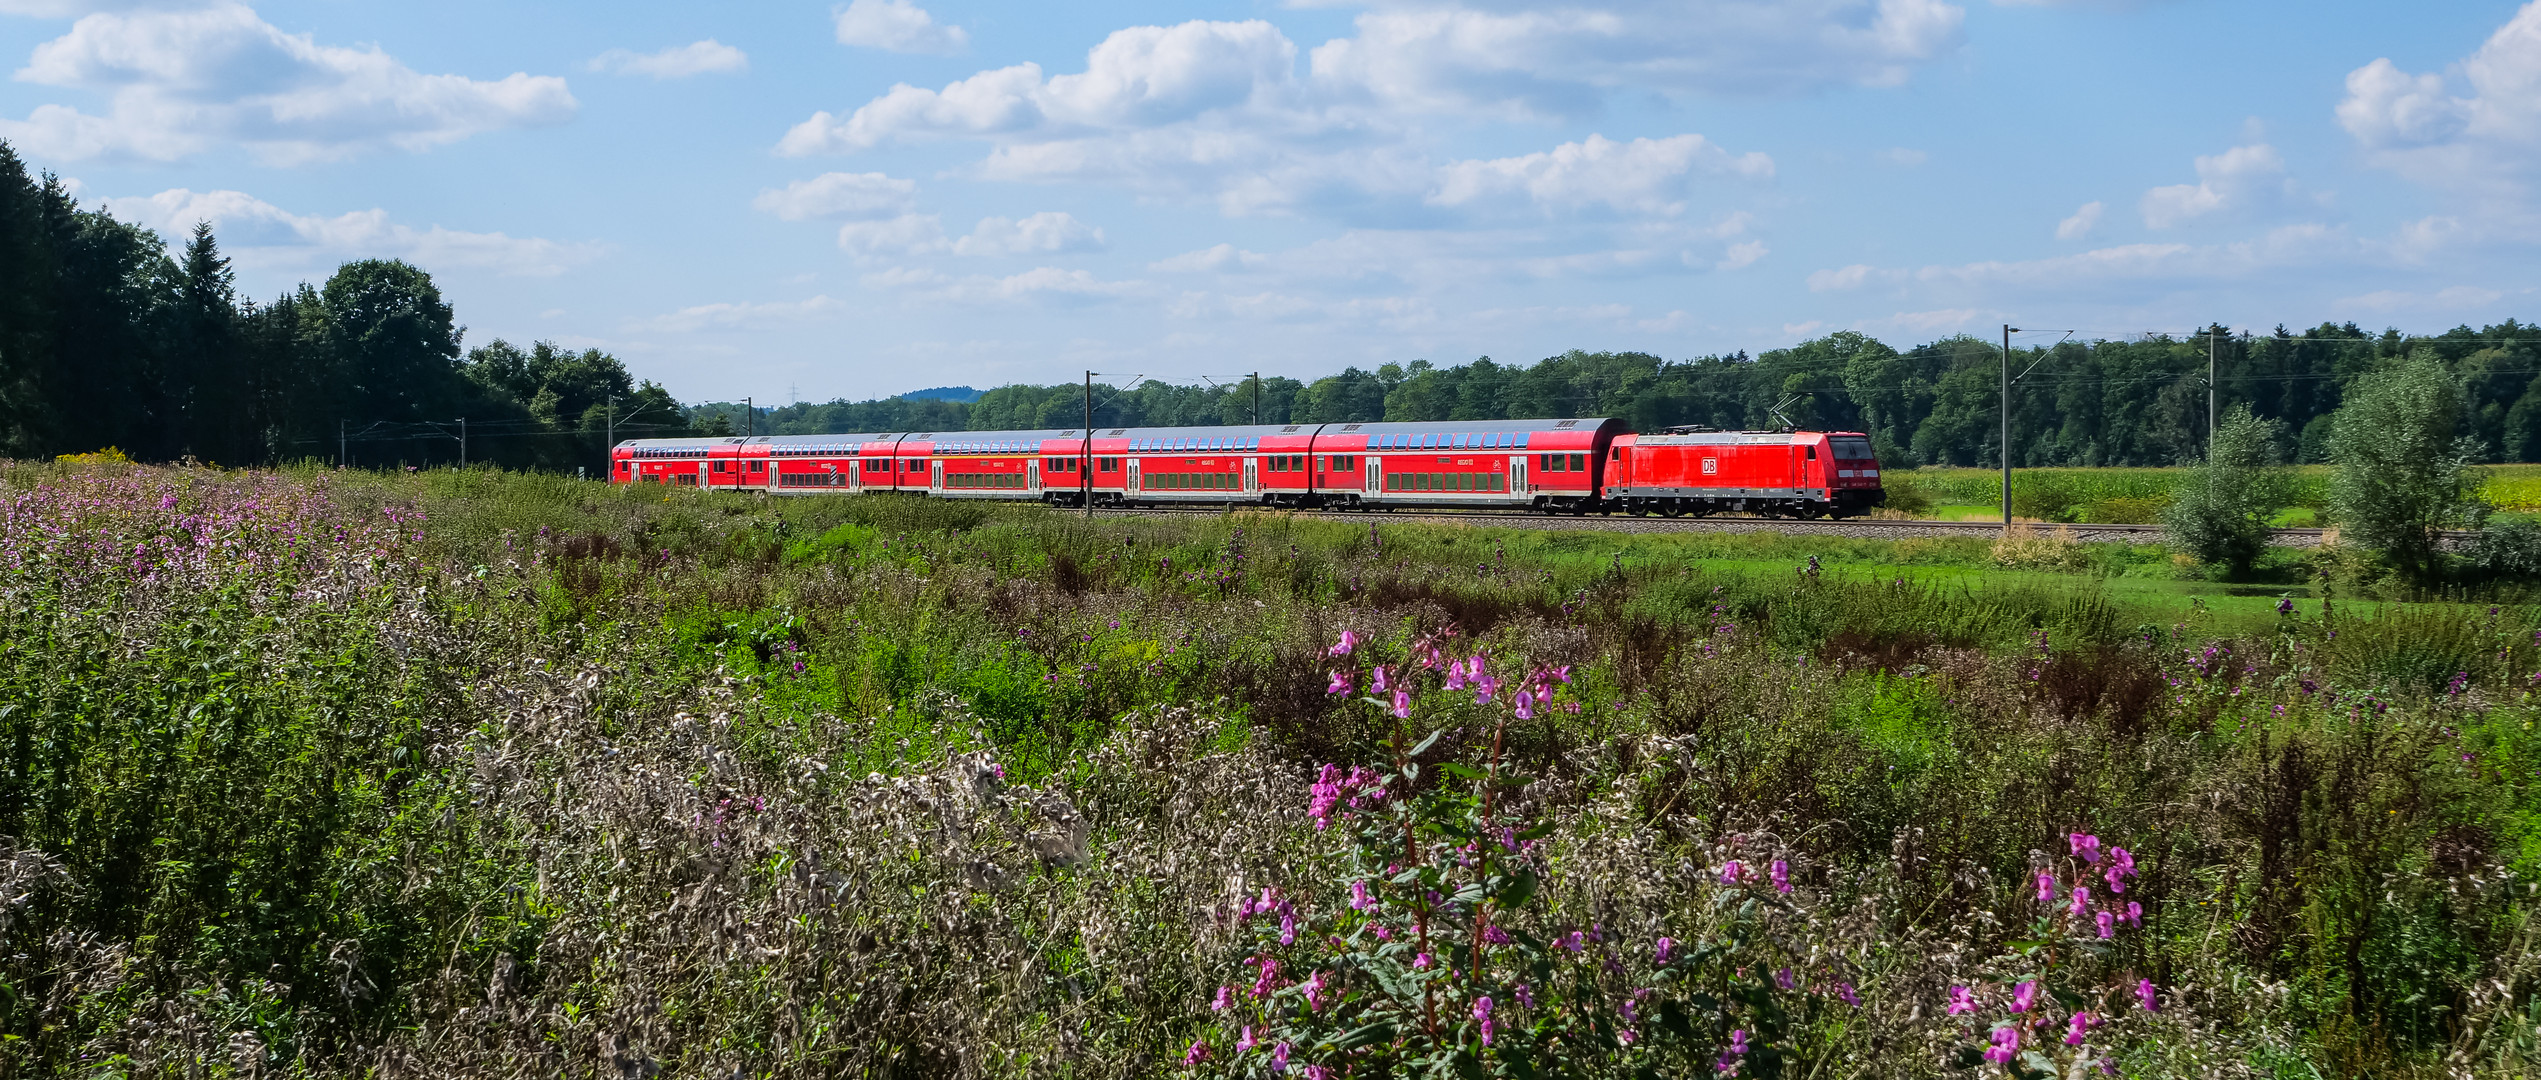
[{"x": 1485, "y": 427}]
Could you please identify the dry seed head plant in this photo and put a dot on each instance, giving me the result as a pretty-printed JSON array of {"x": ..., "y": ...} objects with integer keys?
[{"x": 472, "y": 775}]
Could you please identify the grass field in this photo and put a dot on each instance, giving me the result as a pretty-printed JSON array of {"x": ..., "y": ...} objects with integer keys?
[
  {"x": 2136, "y": 496},
  {"x": 478, "y": 775}
]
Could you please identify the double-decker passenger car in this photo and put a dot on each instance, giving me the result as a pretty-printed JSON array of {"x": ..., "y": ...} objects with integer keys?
[
  {"x": 1572, "y": 465},
  {"x": 1807, "y": 474}
]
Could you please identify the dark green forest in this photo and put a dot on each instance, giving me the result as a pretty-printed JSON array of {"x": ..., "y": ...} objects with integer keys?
[{"x": 108, "y": 339}]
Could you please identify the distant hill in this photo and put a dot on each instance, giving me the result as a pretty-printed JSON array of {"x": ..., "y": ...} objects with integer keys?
[{"x": 962, "y": 394}]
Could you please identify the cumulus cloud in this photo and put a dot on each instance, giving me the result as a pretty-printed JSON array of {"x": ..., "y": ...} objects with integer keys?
[
  {"x": 2082, "y": 222},
  {"x": 742, "y": 316},
  {"x": 181, "y": 82},
  {"x": 2454, "y": 298},
  {"x": 2162, "y": 265},
  {"x": 1043, "y": 284},
  {"x": 2239, "y": 180},
  {"x": 2477, "y": 131},
  {"x": 1047, "y": 233},
  {"x": 905, "y": 234},
  {"x": 259, "y": 234},
  {"x": 1646, "y": 176},
  {"x": 1214, "y": 259},
  {"x": 897, "y": 26},
  {"x": 706, "y": 57},
  {"x": 840, "y": 195}
]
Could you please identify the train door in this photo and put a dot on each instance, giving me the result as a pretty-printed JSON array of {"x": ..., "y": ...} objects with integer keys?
[
  {"x": 770, "y": 466},
  {"x": 1252, "y": 477},
  {"x": 704, "y": 478},
  {"x": 936, "y": 484},
  {"x": 855, "y": 474},
  {"x": 1376, "y": 476},
  {"x": 1032, "y": 474},
  {"x": 1132, "y": 490},
  {"x": 1517, "y": 475}
]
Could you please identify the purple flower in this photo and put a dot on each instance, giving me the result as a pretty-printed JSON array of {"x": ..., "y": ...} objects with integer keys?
[
  {"x": 1198, "y": 1053},
  {"x": 2081, "y": 901},
  {"x": 1360, "y": 898},
  {"x": 1287, "y": 928},
  {"x": 1402, "y": 705},
  {"x": 2046, "y": 887},
  {"x": 1421, "y": 962},
  {"x": 2106, "y": 919},
  {"x": 1455, "y": 676},
  {"x": 1313, "y": 988},
  {"x": 1781, "y": 876},
  {"x": 1962, "y": 1000},
  {"x": 1784, "y": 979},
  {"x": 1492, "y": 934},
  {"x": 2134, "y": 914},
  {"x": 2144, "y": 995},
  {"x": 2006, "y": 1045},
  {"x": 2086, "y": 847},
  {"x": 1483, "y": 688},
  {"x": 2077, "y": 1027},
  {"x": 1524, "y": 704},
  {"x": 1376, "y": 684},
  {"x": 1526, "y": 996},
  {"x": 1666, "y": 946},
  {"x": 1729, "y": 872},
  {"x": 1574, "y": 941},
  {"x": 2285, "y": 606},
  {"x": 1482, "y": 1014},
  {"x": 1279, "y": 1058},
  {"x": 1245, "y": 1044},
  {"x": 1349, "y": 641},
  {"x": 2024, "y": 996},
  {"x": 1341, "y": 683},
  {"x": 1269, "y": 980},
  {"x": 1226, "y": 999},
  {"x": 1845, "y": 990}
]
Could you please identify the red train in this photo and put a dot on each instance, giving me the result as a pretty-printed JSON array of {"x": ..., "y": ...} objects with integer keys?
[{"x": 1574, "y": 466}]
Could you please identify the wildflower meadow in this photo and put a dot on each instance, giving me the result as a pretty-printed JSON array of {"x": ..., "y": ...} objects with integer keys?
[{"x": 315, "y": 773}]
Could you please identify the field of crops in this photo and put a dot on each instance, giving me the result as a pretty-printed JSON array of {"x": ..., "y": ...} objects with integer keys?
[
  {"x": 482, "y": 775},
  {"x": 2136, "y": 496}
]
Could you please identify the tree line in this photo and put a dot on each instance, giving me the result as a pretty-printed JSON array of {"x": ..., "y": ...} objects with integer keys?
[
  {"x": 2140, "y": 401},
  {"x": 106, "y": 339}
]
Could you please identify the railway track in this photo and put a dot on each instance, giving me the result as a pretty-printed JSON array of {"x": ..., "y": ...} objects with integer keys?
[{"x": 1862, "y": 528}]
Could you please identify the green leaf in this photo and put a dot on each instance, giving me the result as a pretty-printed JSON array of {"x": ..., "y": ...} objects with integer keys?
[
  {"x": 1519, "y": 890},
  {"x": 1537, "y": 831},
  {"x": 1461, "y": 771},
  {"x": 1381, "y": 1031},
  {"x": 1425, "y": 744}
]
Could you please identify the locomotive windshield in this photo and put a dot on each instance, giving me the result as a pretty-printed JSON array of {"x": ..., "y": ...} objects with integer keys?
[{"x": 1853, "y": 449}]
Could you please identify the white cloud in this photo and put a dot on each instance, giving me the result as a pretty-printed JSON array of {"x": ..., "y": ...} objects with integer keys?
[
  {"x": 742, "y": 316},
  {"x": 2455, "y": 298},
  {"x": 898, "y": 26},
  {"x": 259, "y": 234},
  {"x": 1850, "y": 277},
  {"x": 2081, "y": 223},
  {"x": 1645, "y": 176},
  {"x": 840, "y": 195},
  {"x": 1904, "y": 157},
  {"x": 2239, "y": 180},
  {"x": 677, "y": 62},
  {"x": 183, "y": 82},
  {"x": 1209, "y": 260},
  {"x": 1564, "y": 60},
  {"x": 1741, "y": 255},
  {"x": 907, "y": 234},
  {"x": 1925, "y": 322},
  {"x": 1044, "y": 284},
  {"x": 1047, "y": 233},
  {"x": 2484, "y": 142}
]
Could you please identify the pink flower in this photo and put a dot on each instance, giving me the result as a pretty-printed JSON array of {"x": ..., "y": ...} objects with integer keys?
[
  {"x": 2105, "y": 920},
  {"x": 1573, "y": 942},
  {"x": 1246, "y": 1044},
  {"x": 1279, "y": 1058},
  {"x": 1341, "y": 683},
  {"x": 1348, "y": 642},
  {"x": 2081, "y": 901},
  {"x": 2134, "y": 914},
  {"x": 2086, "y": 847},
  {"x": 2006, "y": 1045},
  {"x": 1226, "y": 998},
  {"x": 1482, "y": 1015},
  {"x": 1360, "y": 898},
  {"x": 1492, "y": 934},
  {"x": 1269, "y": 980},
  {"x": 1383, "y": 934},
  {"x": 1526, "y": 997},
  {"x": 1376, "y": 684},
  {"x": 1421, "y": 962},
  {"x": 1781, "y": 876},
  {"x": 1666, "y": 946},
  {"x": 1455, "y": 676},
  {"x": 1524, "y": 705},
  {"x": 2024, "y": 996},
  {"x": 2144, "y": 995},
  {"x": 1729, "y": 872},
  {"x": 1287, "y": 928},
  {"x": 1962, "y": 1000},
  {"x": 1313, "y": 988},
  {"x": 2079, "y": 1026},
  {"x": 1483, "y": 688},
  {"x": 1198, "y": 1053},
  {"x": 1402, "y": 705},
  {"x": 2046, "y": 887}
]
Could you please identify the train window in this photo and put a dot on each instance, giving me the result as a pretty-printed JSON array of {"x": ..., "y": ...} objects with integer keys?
[
  {"x": 1813, "y": 453},
  {"x": 1855, "y": 449},
  {"x": 1579, "y": 463},
  {"x": 1549, "y": 463}
]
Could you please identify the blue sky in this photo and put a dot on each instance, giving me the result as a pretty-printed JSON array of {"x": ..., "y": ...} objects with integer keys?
[{"x": 811, "y": 201}]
